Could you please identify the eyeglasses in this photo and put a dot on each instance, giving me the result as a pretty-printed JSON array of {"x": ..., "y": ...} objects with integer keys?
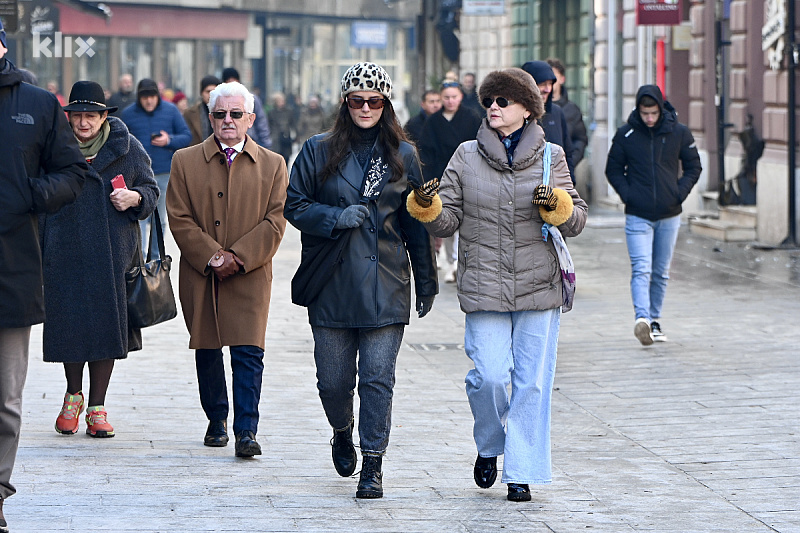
[
  {"x": 220, "y": 115},
  {"x": 501, "y": 102},
  {"x": 357, "y": 102}
]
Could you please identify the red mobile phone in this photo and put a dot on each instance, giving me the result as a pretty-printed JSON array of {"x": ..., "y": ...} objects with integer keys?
[{"x": 118, "y": 182}]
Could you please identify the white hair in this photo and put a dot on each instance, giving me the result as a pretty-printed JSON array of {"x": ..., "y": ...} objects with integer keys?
[{"x": 232, "y": 88}]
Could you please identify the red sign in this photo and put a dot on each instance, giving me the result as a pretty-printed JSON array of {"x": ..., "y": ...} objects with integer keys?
[{"x": 658, "y": 12}]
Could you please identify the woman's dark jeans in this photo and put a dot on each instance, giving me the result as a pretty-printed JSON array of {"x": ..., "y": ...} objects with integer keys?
[{"x": 335, "y": 356}]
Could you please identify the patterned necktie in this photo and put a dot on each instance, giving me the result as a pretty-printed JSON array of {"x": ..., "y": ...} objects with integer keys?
[{"x": 229, "y": 154}]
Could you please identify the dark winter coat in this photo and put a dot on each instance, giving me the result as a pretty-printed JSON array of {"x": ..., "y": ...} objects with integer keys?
[
  {"x": 165, "y": 117},
  {"x": 372, "y": 287},
  {"x": 86, "y": 249},
  {"x": 413, "y": 127},
  {"x": 644, "y": 163},
  {"x": 197, "y": 121},
  {"x": 440, "y": 138},
  {"x": 42, "y": 170},
  {"x": 576, "y": 129}
]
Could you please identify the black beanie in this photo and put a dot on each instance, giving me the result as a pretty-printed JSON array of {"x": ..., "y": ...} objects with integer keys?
[
  {"x": 540, "y": 70},
  {"x": 146, "y": 87}
]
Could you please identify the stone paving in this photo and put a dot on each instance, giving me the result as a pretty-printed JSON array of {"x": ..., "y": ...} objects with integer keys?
[{"x": 699, "y": 434}]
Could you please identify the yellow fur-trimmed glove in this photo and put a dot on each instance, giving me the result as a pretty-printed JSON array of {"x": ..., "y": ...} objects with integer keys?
[
  {"x": 424, "y": 203},
  {"x": 563, "y": 210},
  {"x": 543, "y": 195}
]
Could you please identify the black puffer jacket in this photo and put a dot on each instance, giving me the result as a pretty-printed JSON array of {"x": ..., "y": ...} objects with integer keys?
[
  {"x": 42, "y": 170},
  {"x": 372, "y": 287},
  {"x": 575, "y": 126},
  {"x": 644, "y": 163}
]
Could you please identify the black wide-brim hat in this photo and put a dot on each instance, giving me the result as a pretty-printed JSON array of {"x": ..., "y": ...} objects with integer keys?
[{"x": 88, "y": 96}]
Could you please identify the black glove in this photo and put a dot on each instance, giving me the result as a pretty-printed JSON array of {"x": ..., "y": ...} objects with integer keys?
[
  {"x": 426, "y": 192},
  {"x": 544, "y": 195},
  {"x": 352, "y": 217},
  {"x": 424, "y": 304}
]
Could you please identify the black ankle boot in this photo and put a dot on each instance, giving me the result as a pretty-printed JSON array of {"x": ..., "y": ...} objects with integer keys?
[
  {"x": 343, "y": 451},
  {"x": 370, "y": 484}
]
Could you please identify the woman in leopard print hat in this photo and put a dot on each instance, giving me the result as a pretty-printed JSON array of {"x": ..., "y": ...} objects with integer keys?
[{"x": 347, "y": 196}]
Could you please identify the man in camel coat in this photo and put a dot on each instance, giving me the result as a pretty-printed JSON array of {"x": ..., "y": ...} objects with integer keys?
[{"x": 225, "y": 205}]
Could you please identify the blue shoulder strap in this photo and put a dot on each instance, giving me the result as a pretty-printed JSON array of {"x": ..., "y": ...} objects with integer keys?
[{"x": 546, "y": 161}]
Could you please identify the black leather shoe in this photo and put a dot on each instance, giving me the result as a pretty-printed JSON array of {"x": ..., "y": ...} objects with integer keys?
[
  {"x": 370, "y": 484},
  {"x": 246, "y": 445},
  {"x": 519, "y": 492},
  {"x": 217, "y": 434},
  {"x": 3, "y": 524},
  {"x": 343, "y": 451},
  {"x": 485, "y": 472}
]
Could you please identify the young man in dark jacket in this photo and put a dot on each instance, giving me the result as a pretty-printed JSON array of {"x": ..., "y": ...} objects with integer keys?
[
  {"x": 42, "y": 170},
  {"x": 644, "y": 166},
  {"x": 576, "y": 129},
  {"x": 554, "y": 123}
]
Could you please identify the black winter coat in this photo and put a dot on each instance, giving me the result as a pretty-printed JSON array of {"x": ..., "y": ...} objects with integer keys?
[
  {"x": 554, "y": 124},
  {"x": 42, "y": 170},
  {"x": 644, "y": 163},
  {"x": 440, "y": 138},
  {"x": 576, "y": 129},
  {"x": 413, "y": 127},
  {"x": 372, "y": 287},
  {"x": 86, "y": 248}
]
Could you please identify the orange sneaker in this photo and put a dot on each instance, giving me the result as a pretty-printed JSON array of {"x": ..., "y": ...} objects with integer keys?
[
  {"x": 67, "y": 421},
  {"x": 96, "y": 422}
]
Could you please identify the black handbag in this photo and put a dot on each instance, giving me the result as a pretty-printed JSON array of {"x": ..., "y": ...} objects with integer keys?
[
  {"x": 150, "y": 297},
  {"x": 316, "y": 268}
]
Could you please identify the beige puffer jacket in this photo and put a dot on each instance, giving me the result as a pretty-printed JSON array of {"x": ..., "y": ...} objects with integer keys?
[{"x": 503, "y": 262}]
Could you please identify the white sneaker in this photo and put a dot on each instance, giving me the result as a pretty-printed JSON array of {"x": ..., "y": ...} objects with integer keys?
[
  {"x": 450, "y": 277},
  {"x": 643, "y": 332},
  {"x": 656, "y": 333}
]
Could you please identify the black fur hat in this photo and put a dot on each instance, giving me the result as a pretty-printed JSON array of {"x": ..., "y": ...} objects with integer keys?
[{"x": 514, "y": 84}]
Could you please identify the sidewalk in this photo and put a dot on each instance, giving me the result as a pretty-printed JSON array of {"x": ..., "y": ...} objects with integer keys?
[{"x": 698, "y": 434}]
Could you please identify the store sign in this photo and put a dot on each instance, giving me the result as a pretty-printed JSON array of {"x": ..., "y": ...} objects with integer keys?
[
  {"x": 773, "y": 31},
  {"x": 658, "y": 12},
  {"x": 483, "y": 7},
  {"x": 369, "y": 34}
]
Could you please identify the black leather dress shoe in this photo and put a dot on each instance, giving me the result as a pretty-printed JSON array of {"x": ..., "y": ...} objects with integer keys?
[
  {"x": 246, "y": 445},
  {"x": 519, "y": 492},
  {"x": 485, "y": 472},
  {"x": 217, "y": 434}
]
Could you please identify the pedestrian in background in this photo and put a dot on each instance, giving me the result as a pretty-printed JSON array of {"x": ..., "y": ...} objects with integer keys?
[
  {"x": 442, "y": 133},
  {"x": 351, "y": 184},
  {"x": 509, "y": 281},
  {"x": 225, "y": 203},
  {"x": 196, "y": 117},
  {"x": 160, "y": 127},
  {"x": 312, "y": 120},
  {"x": 281, "y": 117},
  {"x": 644, "y": 167},
  {"x": 42, "y": 171},
  {"x": 124, "y": 95},
  {"x": 87, "y": 247},
  {"x": 431, "y": 103},
  {"x": 576, "y": 129},
  {"x": 470, "y": 89},
  {"x": 553, "y": 122},
  {"x": 259, "y": 131}
]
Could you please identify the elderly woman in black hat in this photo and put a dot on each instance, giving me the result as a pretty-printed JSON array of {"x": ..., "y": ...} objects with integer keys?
[
  {"x": 86, "y": 248},
  {"x": 509, "y": 280},
  {"x": 348, "y": 187}
]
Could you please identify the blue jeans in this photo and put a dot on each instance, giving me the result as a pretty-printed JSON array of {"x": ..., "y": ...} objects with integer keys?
[
  {"x": 247, "y": 365},
  {"x": 518, "y": 348},
  {"x": 650, "y": 247},
  {"x": 335, "y": 356},
  {"x": 163, "y": 181}
]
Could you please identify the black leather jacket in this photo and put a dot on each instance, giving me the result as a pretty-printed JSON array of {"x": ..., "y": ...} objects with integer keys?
[{"x": 372, "y": 287}]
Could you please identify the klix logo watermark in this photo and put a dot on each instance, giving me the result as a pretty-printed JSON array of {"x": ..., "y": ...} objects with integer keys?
[{"x": 62, "y": 46}]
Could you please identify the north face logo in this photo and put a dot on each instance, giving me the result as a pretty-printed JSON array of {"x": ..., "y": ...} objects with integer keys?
[{"x": 23, "y": 118}]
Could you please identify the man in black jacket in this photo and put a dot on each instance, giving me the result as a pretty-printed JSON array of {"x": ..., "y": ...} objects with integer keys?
[
  {"x": 644, "y": 168},
  {"x": 42, "y": 170},
  {"x": 554, "y": 123},
  {"x": 576, "y": 129},
  {"x": 430, "y": 104}
]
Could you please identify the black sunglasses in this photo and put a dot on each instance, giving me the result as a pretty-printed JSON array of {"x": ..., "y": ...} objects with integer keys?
[
  {"x": 357, "y": 102},
  {"x": 501, "y": 102},
  {"x": 220, "y": 115}
]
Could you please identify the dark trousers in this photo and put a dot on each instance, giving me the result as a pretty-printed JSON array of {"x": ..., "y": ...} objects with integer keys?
[{"x": 247, "y": 365}]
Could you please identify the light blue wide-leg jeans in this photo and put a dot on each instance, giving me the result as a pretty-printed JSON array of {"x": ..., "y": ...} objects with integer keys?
[
  {"x": 650, "y": 247},
  {"x": 517, "y": 348}
]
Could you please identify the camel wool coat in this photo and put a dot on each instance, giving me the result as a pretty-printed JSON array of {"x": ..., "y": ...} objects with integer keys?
[{"x": 239, "y": 209}]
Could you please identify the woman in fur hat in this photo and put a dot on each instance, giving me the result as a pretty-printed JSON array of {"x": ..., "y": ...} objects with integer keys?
[
  {"x": 347, "y": 195},
  {"x": 509, "y": 280}
]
